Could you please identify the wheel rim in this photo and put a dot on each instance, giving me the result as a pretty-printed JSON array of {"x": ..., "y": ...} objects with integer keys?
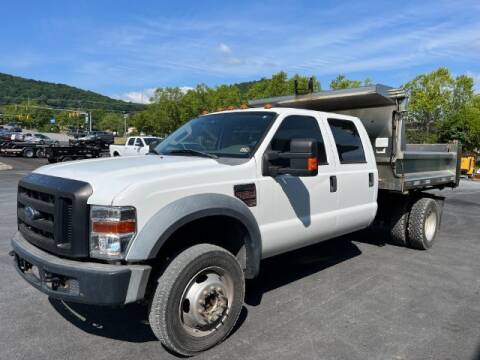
[
  {"x": 430, "y": 226},
  {"x": 206, "y": 301}
]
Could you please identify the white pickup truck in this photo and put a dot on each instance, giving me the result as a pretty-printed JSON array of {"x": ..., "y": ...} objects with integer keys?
[
  {"x": 135, "y": 145},
  {"x": 182, "y": 228}
]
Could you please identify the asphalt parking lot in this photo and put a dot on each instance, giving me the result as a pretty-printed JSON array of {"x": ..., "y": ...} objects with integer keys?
[{"x": 350, "y": 298}]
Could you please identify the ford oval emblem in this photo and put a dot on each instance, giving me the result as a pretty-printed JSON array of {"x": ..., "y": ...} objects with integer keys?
[{"x": 31, "y": 213}]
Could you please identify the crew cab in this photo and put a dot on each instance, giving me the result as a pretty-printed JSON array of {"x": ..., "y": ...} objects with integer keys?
[
  {"x": 135, "y": 145},
  {"x": 182, "y": 228}
]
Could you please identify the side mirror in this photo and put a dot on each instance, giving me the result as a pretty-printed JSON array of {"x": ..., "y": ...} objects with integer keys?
[{"x": 303, "y": 159}]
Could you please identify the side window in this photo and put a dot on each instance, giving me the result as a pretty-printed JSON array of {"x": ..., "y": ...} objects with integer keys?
[
  {"x": 348, "y": 141},
  {"x": 131, "y": 141},
  {"x": 138, "y": 142},
  {"x": 296, "y": 126}
]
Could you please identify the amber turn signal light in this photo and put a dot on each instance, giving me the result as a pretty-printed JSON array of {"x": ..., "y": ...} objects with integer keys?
[
  {"x": 113, "y": 227},
  {"x": 312, "y": 164}
]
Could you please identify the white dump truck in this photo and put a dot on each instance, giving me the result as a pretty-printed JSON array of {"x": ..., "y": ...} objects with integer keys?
[{"x": 181, "y": 229}]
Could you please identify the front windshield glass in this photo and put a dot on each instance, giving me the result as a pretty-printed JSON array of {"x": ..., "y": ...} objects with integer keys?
[{"x": 234, "y": 134}]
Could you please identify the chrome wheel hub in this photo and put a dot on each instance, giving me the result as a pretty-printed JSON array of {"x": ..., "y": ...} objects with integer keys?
[
  {"x": 430, "y": 226},
  {"x": 205, "y": 302}
]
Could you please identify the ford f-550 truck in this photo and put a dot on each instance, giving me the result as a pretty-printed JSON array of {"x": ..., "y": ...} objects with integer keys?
[{"x": 182, "y": 228}]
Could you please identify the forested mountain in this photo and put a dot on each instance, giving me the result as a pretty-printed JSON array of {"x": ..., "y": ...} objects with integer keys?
[{"x": 17, "y": 90}]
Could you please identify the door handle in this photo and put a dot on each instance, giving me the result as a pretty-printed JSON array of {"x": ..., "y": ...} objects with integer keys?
[
  {"x": 333, "y": 183},
  {"x": 371, "y": 180}
]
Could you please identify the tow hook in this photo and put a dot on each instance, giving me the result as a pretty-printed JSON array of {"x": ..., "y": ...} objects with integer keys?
[{"x": 52, "y": 281}]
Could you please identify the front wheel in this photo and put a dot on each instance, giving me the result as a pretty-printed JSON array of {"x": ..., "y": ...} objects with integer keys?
[{"x": 198, "y": 299}]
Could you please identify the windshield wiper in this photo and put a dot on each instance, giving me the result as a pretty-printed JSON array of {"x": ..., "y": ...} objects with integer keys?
[{"x": 193, "y": 152}]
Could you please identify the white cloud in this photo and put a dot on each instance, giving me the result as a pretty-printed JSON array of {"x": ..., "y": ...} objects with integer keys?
[
  {"x": 185, "y": 89},
  {"x": 144, "y": 96},
  {"x": 224, "y": 49},
  {"x": 139, "y": 97}
]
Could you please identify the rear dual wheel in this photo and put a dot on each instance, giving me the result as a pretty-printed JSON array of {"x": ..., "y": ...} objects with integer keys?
[
  {"x": 198, "y": 299},
  {"x": 415, "y": 225},
  {"x": 423, "y": 223}
]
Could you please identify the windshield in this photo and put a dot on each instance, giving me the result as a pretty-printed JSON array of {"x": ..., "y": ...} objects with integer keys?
[{"x": 234, "y": 134}]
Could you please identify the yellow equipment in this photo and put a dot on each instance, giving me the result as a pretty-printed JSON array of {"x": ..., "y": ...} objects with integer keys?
[{"x": 468, "y": 165}]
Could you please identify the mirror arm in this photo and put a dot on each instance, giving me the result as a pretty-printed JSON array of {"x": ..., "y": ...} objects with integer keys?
[
  {"x": 274, "y": 155},
  {"x": 289, "y": 155}
]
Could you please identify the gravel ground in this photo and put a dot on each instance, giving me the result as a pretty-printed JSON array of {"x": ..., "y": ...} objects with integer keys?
[{"x": 349, "y": 298}]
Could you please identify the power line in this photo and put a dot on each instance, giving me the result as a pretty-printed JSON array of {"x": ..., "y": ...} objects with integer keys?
[
  {"x": 69, "y": 110},
  {"x": 122, "y": 103}
]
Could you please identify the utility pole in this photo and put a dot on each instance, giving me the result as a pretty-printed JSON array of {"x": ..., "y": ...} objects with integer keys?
[
  {"x": 125, "y": 115},
  {"x": 91, "y": 120}
]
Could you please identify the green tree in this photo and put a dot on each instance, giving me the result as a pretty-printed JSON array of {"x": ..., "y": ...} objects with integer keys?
[
  {"x": 112, "y": 122},
  {"x": 463, "y": 124},
  {"x": 279, "y": 85},
  {"x": 441, "y": 108},
  {"x": 341, "y": 82}
]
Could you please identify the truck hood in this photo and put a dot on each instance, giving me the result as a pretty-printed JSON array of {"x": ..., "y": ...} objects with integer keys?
[{"x": 110, "y": 176}]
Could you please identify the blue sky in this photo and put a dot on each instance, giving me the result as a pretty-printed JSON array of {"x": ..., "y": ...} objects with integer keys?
[{"x": 123, "y": 48}]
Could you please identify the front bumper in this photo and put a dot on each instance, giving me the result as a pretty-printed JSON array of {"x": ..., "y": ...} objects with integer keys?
[{"x": 77, "y": 281}]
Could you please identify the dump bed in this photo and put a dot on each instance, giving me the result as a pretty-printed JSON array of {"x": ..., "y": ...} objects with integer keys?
[{"x": 382, "y": 110}]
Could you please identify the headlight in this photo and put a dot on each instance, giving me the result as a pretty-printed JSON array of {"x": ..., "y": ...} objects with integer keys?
[{"x": 111, "y": 230}]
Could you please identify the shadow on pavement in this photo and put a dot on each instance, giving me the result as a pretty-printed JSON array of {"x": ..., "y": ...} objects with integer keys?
[
  {"x": 283, "y": 269},
  {"x": 130, "y": 323}
]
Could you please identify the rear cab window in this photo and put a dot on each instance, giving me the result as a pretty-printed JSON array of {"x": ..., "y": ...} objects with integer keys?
[
  {"x": 348, "y": 141},
  {"x": 131, "y": 141}
]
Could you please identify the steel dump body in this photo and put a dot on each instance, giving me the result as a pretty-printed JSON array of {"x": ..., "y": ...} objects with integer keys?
[{"x": 401, "y": 166}]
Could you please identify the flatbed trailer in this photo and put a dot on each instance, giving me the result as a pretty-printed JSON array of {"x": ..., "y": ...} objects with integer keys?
[
  {"x": 56, "y": 154},
  {"x": 402, "y": 167},
  {"x": 21, "y": 148}
]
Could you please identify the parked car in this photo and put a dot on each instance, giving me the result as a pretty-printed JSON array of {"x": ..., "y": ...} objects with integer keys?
[
  {"x": 77, "y": 133},
  {"x": 183, "y": 229},
  {"x": 37, "y": 138},
  {"x": 13, "y": 127},
  {"x": 135, "y": 145},
  {"x": 16, "y": 136},
  {"x": 5, "y": 135},
  {"x": 104, "y": 136}
]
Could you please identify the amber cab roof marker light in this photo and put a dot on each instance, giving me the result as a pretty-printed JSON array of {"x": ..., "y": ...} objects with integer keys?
[{"x": 268, "y": 106}]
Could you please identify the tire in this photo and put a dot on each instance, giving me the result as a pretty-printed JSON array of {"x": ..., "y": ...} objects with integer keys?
[
  {"x": 399, "y": 223},
  {"x": 115, "y": 154},
  {"x": 423, "y": 223},
  {"x": 28, "y": 153},
  {"x": 193, "y": 277},
  {"x": 40, "y": 153}
]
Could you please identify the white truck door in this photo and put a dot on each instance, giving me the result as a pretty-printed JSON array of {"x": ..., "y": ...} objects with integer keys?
[
  {"x": 300, "y": 210},
  {"x": 356, "y": 174},
  {"x": 139, "y": 146},
  {"x": 129, "y": 146}
]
